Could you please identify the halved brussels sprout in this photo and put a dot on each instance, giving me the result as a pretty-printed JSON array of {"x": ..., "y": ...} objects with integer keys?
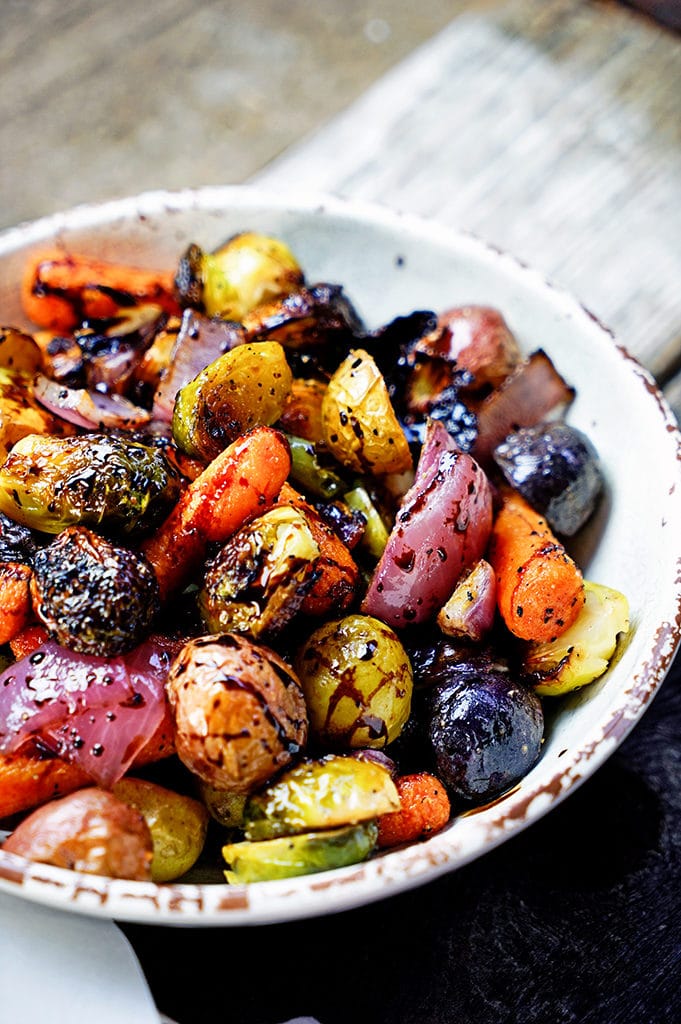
[
  {"x": 581, "y": 654},
  {"x": 321, "y": 794},
  {"x": 249, "y": 269},
  {"x": 99, "y": 480},
  {"x": 289, "y": 856},
  {"x": 357, "y": 681},
  {"x": 244, "y": 388},
  {"x": 257, "y": 582},
  {"x": 360, "y": 425},
  {"x": 177, "y": 824}
]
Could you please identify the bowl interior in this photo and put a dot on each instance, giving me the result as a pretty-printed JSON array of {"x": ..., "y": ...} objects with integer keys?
[{"x": 391, "y": 265}]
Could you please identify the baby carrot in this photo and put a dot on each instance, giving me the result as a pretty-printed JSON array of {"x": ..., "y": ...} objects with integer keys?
[
  {"x": 16, "y": 610},
  {"x": 424, "y": 809},
  {"x": 60, "y": 290},
  {"x": 241, "y": 482},
  {"x": 540, "y": 590}
]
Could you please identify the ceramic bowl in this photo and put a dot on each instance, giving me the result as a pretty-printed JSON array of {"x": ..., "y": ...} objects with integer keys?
[{"x": 392, "y": 264}]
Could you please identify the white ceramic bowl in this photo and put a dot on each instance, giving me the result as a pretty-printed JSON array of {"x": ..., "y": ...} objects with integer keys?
[{"x": 392, "y": 264}]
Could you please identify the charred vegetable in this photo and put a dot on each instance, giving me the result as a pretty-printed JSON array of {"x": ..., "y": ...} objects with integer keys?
[
  {"x": 16, "y": 542},
  {"x": 305, "y": 854},
  {"x": 248, "y": 270},
  {"x": 239, "y": 711},
  {"x": 357, "y": 681},
  {"x": 474, "y": 339},
  {"x": 321, "y": 794},
  {"x": 177, "y": 824},
  {"x": 93, "y": 597},
  {"x": 89, "y": 831},
  {"x": 469, "y": 613},
  {"x": 485, "y": 731},
  {"x": 308, "y": 472},
  {"x": 583, "y": 652},
  {"x": 556, "y": 469},
  {"x": 243, "y": 388},
  {"x": 19, "y": 352},
  {"x": 360, "y": 425},
  {"x": 20, "y": 413},
  {"x": 99, "y": 480},
  {"x": 257, "y": 582}
]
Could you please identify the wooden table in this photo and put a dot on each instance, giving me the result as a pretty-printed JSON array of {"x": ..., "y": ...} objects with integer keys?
[{"x": 551, "y": 128}]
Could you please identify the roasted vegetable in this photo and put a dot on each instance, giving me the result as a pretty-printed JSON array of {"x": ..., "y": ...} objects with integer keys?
[
  {"x": 244, "y": 388},
  {"x": 91, "y": 596},
  {"x": 540, "y": 591},
  {"x": 527, "y": 396},
  {"x": 302, "y": 412},
  {"x": 98, "y": 480},
  {"x": 16, "y": 611},
  {"x": 16, "y": 542},
  {"x": 20, "y": 413},
  {"x": 248, "y": 270},
  {"x": 424, "y": 808},
  {"x": 19, "y": 352},
  {"x": 223, "y": 805},
  {"x": 485, "y": 731},
  {"x": 360, "y": 425},
  {"x": 177, "y": 825},
  {"x": 474, "y": 339},
  {"x": 93, "y": 410},
  {"x": 258, "y": 581},
  {"x": 375, "y": 536},
  {"x": 320, "y": 794},
  {"x": 441, "y": 530},
  {"x": 556, "y": 469},
  {"x": 308, "y": 472},
  {"x": 60, "y": 290},
  {"x": 469, "y": 612},
  {"x": 582, "y": 653},
  {"x": 357, "y": 681},
  {"x": 306, "y": 854},
  {"x": 89, "y": 831},
  {"x": 241, "y": 481},
  {"x": 239, "y": 711},
  {"x": 97, "y": 713}
]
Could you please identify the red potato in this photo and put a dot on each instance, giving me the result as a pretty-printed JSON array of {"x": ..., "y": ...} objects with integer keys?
[
  {"x": 441, "y": 530},
  {"x": 89, "y": 831},
  {"x": 476, "y": 339}
]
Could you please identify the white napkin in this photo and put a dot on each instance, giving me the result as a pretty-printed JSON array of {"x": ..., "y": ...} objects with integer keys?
[{"x": 61, "y": 968}]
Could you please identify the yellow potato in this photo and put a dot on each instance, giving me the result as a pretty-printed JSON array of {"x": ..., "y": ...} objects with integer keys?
[
  {"x": 177, "y": 824},
  {"x": 360, "y": 426}
]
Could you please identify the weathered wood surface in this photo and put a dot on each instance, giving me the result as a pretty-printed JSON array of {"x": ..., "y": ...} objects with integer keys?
[{"x": 552, "y": 128}]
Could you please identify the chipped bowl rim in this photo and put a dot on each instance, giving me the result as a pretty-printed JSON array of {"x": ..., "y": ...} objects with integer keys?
[{"x": 468, "y": 836}]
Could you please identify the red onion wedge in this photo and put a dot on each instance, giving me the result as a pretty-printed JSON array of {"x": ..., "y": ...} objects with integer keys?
[
  {"x": 442, "y": 529},
  {"x": 89, "y": 409},
  {"x": 94, "y": 712}
]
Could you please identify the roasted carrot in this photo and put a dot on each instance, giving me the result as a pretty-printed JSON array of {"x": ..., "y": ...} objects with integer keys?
[
  {"x": 27, "y": 779},
  {"x": 424, "y": 809},
  {"x": 241, "y": 482},
  {"x": 28, "y": 640},
  {"x": 60, "y": 289},
  {"x": 540, "y": 590},
  {"x": 16, "y": 610},
  {"x": 338, "y": 573}
]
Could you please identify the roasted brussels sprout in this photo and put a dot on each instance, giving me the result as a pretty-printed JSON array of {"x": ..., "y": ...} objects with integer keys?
[
  {"x": 243, "y": 388},
  {"x": 177, "y": 824},
  {"x": 583, "y": 652},
  {"x": 485, "y": 731},
  {"x": 321, "y": 794},
  {"x": 239, "y": 711},
  {"x": 92, "y": 597},
  {"x": 357, "y": 681},
  {"x": 360, "y": 425},
  {"x": 556, "y": 469},
  {"x": 258, "y": 581},
  {"x": 249, "y": 269},
  {"x": 289, "y": 856},
  {"x": 99, "y": 480}
]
